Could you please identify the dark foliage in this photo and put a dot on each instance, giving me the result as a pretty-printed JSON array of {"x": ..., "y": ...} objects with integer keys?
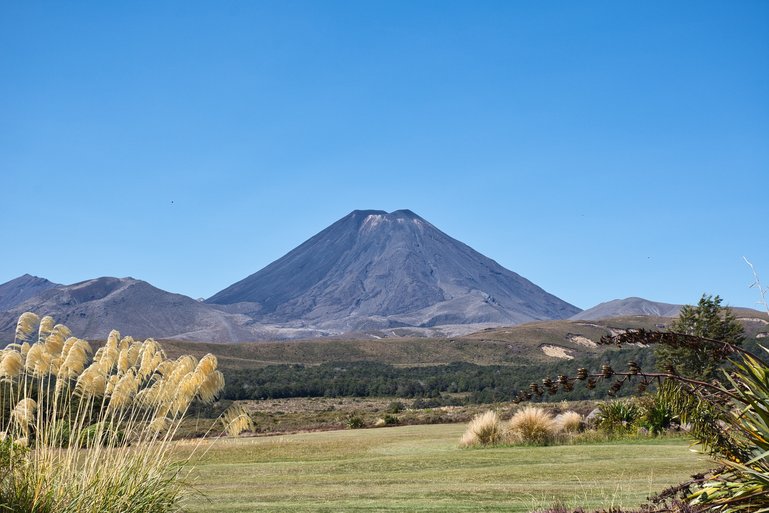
[
  {"x": 708, "y": 320},
  {"x": 478, "y": 383}
]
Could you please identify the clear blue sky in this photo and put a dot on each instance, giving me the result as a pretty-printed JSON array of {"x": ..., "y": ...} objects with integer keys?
[{"x": 600, "y": 149}]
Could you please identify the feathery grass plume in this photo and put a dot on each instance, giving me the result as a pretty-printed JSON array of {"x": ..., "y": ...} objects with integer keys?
[
  {"x": 207, "y": 365},
  {"x": 124, "y": 390},
  {"x": 484, "y": 429},
  {"x": 24, "y": 414},
  {"x": 111, "y": 382},
  {"x": 160, "y": 423},
  {"x": 80, "y": 415},
  {"x": 11, "y": 365},
  {"x": 532, "y": 425},
  {"x": 210, "y": 388},
  {"x": 133, "y": 353},
  {"x": 123, "y": 363},
  {"x": 183, "y": 365},
  {"x": 38, "y": 361},
  {"x": 54, "y": 342},
  {"x": 26, "y": 326},
  {"x": 147, "y": 354},
  {"x": 74, "y": 357},
  {"x": 236, "y": 420},
  {"x": 45, "y": 328},
  {"x": 569, "y": 422},
  {"x": 125, "y": 343},
  {"x": 91, "y": 383},
  {"x": 107, "y": 355}
]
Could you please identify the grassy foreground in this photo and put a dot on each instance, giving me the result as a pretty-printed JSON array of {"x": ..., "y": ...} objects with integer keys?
[{"x": 422, "y": 468}]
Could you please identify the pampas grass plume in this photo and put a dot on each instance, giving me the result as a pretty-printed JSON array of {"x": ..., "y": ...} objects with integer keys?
[
  {"x": 45, "y": 328},
  {"x": 80, "y": 420},
  {"x": 27, "y": 326},
  {"x": 11, "y": 365},
  {"x": 236, "y": 420},
  {"x": 210, "y": 388},
  {"x": 38, "y": 361},
  {"x": 24, "y": 413}
]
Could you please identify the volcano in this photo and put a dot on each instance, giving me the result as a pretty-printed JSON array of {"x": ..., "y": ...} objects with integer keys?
[{"x": 376, "y": 270}]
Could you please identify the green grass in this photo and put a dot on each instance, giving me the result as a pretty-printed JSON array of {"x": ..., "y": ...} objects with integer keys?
[{"x": 422, "y": 469}]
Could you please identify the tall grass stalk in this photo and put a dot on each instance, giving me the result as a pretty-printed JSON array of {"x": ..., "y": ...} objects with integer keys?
[{"x": 87, "y": 432}]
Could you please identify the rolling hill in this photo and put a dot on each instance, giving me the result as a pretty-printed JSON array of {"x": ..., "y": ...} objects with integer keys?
[{"x": 627, "y": 306}]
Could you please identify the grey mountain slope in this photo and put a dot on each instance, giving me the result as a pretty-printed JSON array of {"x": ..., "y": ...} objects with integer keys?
[
  {"x": 20, "y": 289},
  {"x": 373, "y": 270},
  {"x": 91, "y": 309},
  {"x": 625, "y": 307}
]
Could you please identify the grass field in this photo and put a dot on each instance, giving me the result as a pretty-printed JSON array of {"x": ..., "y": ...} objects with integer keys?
[{"x": 422, "y": 469}]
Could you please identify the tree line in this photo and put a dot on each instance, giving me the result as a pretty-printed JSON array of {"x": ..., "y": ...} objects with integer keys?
[{"x": 475, "y": 383}]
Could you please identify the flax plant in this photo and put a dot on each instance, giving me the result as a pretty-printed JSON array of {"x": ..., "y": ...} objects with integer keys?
[
  {"x": 85, "y": 432},
  {"x": 729, "y": 419}
]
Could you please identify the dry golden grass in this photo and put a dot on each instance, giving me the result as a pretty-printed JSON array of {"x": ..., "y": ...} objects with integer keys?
[
  {"x": 532, "y": 425},
  {"x": 484, "y": 429},
  {"x": 98, "y": 427},
  {"x": 569, "y": 422}
]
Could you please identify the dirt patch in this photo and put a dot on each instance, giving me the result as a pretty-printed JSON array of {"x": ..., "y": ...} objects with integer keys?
[
  {"x": 557, "y": 352},
  {"x": 581, "y": 340},
  {"x": 753, "y": 319}
]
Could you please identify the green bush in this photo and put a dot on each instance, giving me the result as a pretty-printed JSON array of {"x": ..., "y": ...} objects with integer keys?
[
  {"x": 618, "y": 417},
  {"x": 355, "y": 422},
  {"x": 656, "y": 413},
  {"x": 391, "y": 420}
]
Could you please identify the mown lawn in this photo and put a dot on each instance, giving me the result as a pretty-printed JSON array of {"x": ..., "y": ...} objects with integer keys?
[{"x": 422, "y": 468}]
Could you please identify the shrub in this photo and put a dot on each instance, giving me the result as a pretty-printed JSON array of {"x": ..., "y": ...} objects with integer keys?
[
  {"x": 617, "y": 417},
  {"x": 532, "y": 425},
  {"x": 355, "y": 422},
  {"x": 483, "y": 429},
  {"x": 395, "y": 407},
  {"x": 656, "y": 413},
  {"x": 391, "y": 420},
  {"x": 56, "y": 394},
  {"x": 569, "y": 422}
]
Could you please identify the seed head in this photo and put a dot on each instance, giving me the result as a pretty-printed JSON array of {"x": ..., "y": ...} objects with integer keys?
[
  {"x": 27, "y": 326},
  {"x": 45, "y": 328}
]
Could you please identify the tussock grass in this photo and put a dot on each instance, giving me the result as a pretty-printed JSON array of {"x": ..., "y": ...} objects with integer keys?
[
  {"x": 569, "y": 422},
  {"x": 90, "y": 432},
  {"x": 532, "y": 425},
  {"x": 484, "y": 429}
]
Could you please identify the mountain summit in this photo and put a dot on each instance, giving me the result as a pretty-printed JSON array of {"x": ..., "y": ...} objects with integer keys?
[
  {"x": 20, "y": 289},
  {"x": 374, "y": 270}
]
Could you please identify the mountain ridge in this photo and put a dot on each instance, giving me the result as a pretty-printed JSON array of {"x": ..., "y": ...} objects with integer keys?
[{"x": 22, "y": 288}]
